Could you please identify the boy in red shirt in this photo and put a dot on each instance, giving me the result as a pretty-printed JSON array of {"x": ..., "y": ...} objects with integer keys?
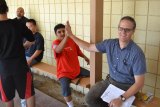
[{"x": 66, "y": 53}]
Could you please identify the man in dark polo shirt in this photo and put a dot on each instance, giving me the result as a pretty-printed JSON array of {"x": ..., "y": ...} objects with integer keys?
[
  {"x": 14, "y": 71},
  {"x": 20, "y": 15}
]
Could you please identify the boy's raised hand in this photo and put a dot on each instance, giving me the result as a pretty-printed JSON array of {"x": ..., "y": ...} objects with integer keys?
[{"x": 68, "y": 29}]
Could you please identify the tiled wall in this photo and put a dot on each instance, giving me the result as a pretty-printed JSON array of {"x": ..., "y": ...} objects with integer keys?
[{"x": 146, "y": 12}]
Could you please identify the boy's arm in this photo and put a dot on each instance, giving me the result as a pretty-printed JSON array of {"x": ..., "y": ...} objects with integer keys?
[
  {"x": 36, "y": 54},
  {"x": 27, "y": 44},
  {"x": 83, "y": 44},
  {"x": 85, "y": 58},
  {"x": 59, "y": 48}
]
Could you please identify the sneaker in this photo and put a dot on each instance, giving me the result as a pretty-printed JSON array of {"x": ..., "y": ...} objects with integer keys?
[{"x": 23, "y": 103}]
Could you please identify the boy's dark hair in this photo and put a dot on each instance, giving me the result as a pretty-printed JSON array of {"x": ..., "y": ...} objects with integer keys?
[
  {"x": 129, "y": 18},
  {"x": 3, "y": 7},
  {"x": 58, "y": 26},
  {"x": 32, "y": 21}
]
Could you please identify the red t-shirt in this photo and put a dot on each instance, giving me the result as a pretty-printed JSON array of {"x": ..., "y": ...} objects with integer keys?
[{"x": 67, "y": 60}]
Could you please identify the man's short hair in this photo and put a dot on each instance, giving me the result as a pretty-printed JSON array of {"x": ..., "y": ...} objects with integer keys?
[
  {"x": 3, "y": 7},
  {"x": 58, "y": 26},
  {"x": 131, "y": 19},
  {"x": 32, "y": 21}
]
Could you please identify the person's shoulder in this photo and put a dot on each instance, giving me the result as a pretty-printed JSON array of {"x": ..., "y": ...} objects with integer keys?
[
  {"x": 110, "y": 41},
  {"x": 38, "y": 34},
  {"x": 56, "y": 41},
  {"x": 136, "y": 49}
]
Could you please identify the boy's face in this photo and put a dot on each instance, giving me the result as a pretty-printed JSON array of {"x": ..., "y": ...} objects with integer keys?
[
  {"x": 31, "y": 26},
  {"x": 60, "y": 33}
]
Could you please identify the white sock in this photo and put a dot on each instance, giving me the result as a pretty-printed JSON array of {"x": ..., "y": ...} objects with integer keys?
[{"x": 70, "y": 104}]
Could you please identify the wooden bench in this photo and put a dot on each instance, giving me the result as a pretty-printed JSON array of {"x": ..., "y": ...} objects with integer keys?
[
  {"x": 155, "y": 102},
  {"x": 50, "y": 71}
]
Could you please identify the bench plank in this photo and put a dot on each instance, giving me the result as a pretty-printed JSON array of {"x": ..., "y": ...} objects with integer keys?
[{"x": 50, "y": 70}]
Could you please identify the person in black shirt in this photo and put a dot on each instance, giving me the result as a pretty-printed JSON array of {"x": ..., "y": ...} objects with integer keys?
[
  {"x": 14, "y": 72},
  {"x": 20, "y": 15},
  {"x": 34, "y": 53}
]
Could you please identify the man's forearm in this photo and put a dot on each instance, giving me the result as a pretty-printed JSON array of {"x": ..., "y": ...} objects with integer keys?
[
  {"x": 36, "y": 54},
  {"x": 135, "y": 87}
]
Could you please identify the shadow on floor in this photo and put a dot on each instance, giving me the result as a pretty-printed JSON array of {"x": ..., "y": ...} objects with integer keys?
[{"x": 42, "y": 100}]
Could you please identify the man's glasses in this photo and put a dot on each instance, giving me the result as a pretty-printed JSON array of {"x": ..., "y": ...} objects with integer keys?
[{"x": 126, "y": 30}]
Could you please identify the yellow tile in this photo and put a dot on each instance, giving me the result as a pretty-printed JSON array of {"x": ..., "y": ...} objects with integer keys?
[
  {"x": 64, "y": 18},
  {"x": 152, "y": 52},
  {"x": 71, "y": 1},
  {"x": 152, "y": 66},
  {"x": 72, "y": 18},
  {"x": 87, "y": 39},
  {"x": 158, "y": 82},
  {"x": 150, "y": 79},
  {"x": 47, "y": 26},
  {"x": 114, "y": 33},
  {"x": 46, "y": 8},
  {"x": 140, "y": 36},
  {"x": 115, "y": 20},
  {"x": 57, "y": 1},
  {"x": 147, "y": 89},
  {"x": 116, "y": 7},
  {"x": 64, "y": 1},
  {"x": 107, "y": 7},
  {"x": 86, "y": 8},
  {"x": 36, "y": 9},
  {"x": 157, "y": 94},
  {"x": 58, "y": 18},
  {"x": 41, "y": 8},
  {"x": 106, "y": 33},
  {"x": 64, "y": 8},
  {"x": 46, "y": 1},
  {"x": 159, "y": 67},
  {"x": 141, "y": 22},
  {"x": 105, "y": 68},
  {"x": 104, "y": 58},
  {"x": 58, "y": 8},
  {"x": 48, "y": 37},
  {"x": 71, "y": 8},
  {"x": 128, "y": 7},
  {"x": 153, "y": 38},
  {"x": 52, "y": 8},
  {"x": 79, "y": 19},
  {"x": 141, "y": 7},
  {"x": 153, "y": 23},
  {"x": 104, "y": 75},
  {"x": 86, "y": 19},
  {"x": 79, "y": 8},
  {"x": 106, "y": 21},
  {"x": 86, "y": 31},
  {"x": 78, "y": 1},
  {"x": 88, "y": 1},
  {"x": 40, "y": 1},
  {"x": 41, "y": 17},
  {"x": 79, "y": 30},
  {"x": 51, "y": 1},
  {"x": 154, "y": 7},
  {"x": 47, "y": 18},
  {"x": 52, "y": 18}
]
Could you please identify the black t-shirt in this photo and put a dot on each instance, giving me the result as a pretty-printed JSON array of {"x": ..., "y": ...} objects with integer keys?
[
  {"x": 38, "y": 45},
  {"x": 12, "y": 53},
  {"x": 22, "y": 20}
]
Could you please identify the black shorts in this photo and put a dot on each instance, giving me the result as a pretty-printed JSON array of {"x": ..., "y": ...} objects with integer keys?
[{"x": 22, "y": 82}]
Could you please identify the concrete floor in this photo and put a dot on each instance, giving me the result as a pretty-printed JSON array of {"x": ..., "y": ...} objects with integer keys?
[{"x": 42, "y": 100}]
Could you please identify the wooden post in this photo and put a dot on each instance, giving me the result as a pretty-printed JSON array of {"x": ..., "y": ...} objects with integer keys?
[{"x": 96, "y": 30}]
